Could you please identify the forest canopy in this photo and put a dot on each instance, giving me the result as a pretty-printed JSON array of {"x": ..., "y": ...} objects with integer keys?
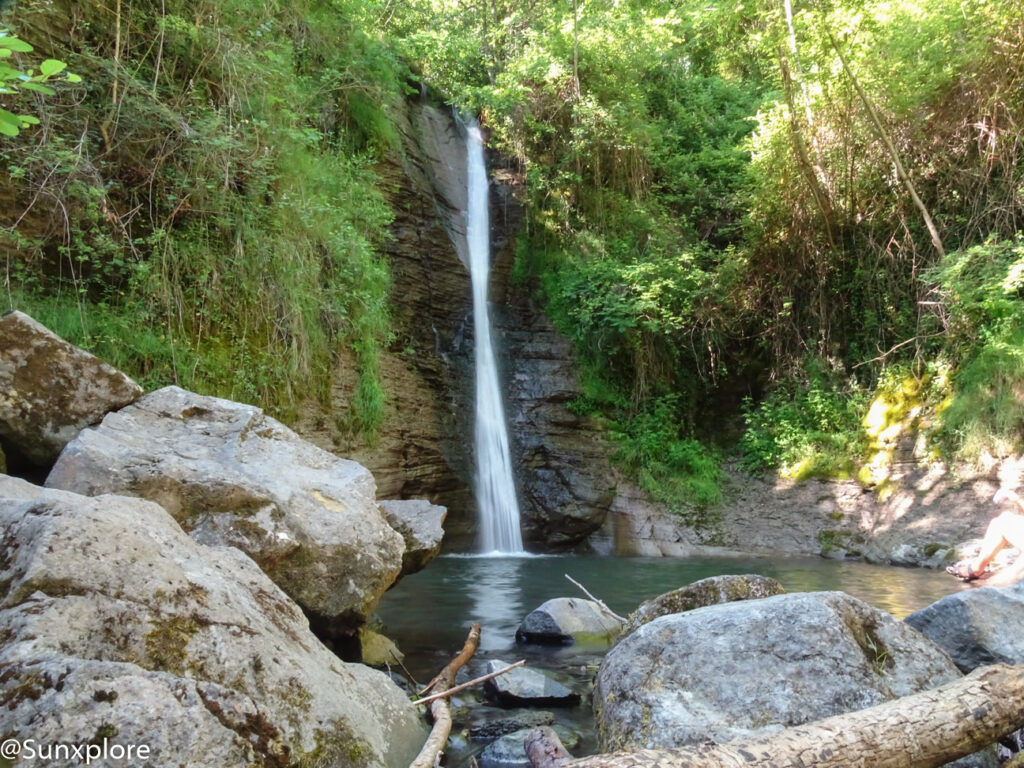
[{"x": 779, "y": 230}]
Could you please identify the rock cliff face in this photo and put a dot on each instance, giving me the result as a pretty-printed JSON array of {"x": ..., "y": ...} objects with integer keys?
[
  {"x": 422, "y": 449},
  {"x": 425, "y": 446}
]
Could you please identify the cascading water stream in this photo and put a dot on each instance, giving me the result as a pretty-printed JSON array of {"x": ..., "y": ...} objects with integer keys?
[{"x": 496, "y": 491}]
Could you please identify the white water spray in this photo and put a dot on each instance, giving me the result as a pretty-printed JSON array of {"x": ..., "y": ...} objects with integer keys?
[{"x": 496, "y": 491}]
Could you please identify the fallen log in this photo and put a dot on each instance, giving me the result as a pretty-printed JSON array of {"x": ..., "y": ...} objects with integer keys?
[
  {"x": 925, "y": 730},
  {"x": 440, "y": 709}
]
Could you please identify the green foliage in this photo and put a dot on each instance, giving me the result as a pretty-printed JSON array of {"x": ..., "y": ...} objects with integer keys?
[
  {"x": 806, "y": 428},
  {"x": 14, "y": 79},
  {"x": 210, "y": 215},
  {"x": 983, "y": 313},
  {"x": 673, "y": 468}
]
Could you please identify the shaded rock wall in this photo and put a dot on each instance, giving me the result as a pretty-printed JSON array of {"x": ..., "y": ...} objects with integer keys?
[
  {"x": 425, "y": 446},
  {"x": 422, "y": 449}
]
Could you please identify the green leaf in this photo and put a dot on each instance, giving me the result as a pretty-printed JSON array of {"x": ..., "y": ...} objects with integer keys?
[
  {"x": 73, "y": 78},
  {"x": 15, "y": 44},
  {"x": 9, "y": 124},
  {"x": 38, "y": 87},
  {"x": 51, "y": 67}
]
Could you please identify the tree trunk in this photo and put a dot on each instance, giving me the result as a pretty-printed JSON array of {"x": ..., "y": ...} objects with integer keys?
[
  {"x": 803, "y": 158},
  {"x": 921, "y": 731},
  {"x": 440, "y": 709}
]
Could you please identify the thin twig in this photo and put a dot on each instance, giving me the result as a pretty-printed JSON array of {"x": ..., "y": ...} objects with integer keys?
[
  {"x": 470, "y": 684},
  {"x": 600, "y": 603}
]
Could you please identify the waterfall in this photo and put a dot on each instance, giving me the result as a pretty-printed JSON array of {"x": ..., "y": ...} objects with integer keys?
[{"x": 495, "y": 489}]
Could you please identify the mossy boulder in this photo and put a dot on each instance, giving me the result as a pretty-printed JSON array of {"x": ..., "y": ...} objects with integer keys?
[
  {"x": 230, "y": 475},
  {"x": 711, "y": 591},
  {"x": 568, "y": 620},
  {"x": 115, "y": 622},
  {"x": 733, "y": 670},
  {"x": 50, "y": 389}
]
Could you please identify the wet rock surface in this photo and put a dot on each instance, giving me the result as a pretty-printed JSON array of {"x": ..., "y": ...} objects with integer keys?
[
  {"x": 566, "y": 620},
  {"x": 117, "y": 624},
  {"x": 526, "y": 687},
  {"x": 509, "y": 751},
  {"x": 976, "y": 627},
  {"x": 728, "y": 671},
  {"x": 490, "y": 729},
  {"x": 232, "y": 476},
  {"x": 50, "y": 389}
]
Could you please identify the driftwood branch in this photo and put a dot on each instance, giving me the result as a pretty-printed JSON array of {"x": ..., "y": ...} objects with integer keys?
[
  {"x": 600, "y": 603},
  {"x": 440, "y": 708},
  {"x": 925, "y": 730},
  {"x": 470, "y": 684}
]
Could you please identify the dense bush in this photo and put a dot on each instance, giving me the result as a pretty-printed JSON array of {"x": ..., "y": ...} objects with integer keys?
[{"x": 203, "y": 209}]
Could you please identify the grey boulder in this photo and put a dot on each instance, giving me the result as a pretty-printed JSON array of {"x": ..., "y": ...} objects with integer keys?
[
  {"x": 232, "y": 476},
  {"x": 711, "y": 591},
  {"x": 50, "y": 389},
  {"x": 419, "y": 523},
  {"x": 976, "y": 627},
  {"x": 732, "y": 670},
  {"x": 118, "y": 625},
  {"x": 509, "y": 751},
  {"x": 526, "y": 687},
  {"x": 565, "y": 620}
]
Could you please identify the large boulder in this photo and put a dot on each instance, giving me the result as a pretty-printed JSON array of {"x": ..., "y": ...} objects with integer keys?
[
  {"x": 732, "y": 670},
  {"x": 117, "y": 625},
  {"x": 419, "y": 522},
  {"x": 50, "y": 390},
  {"x": 567, "y": 620},
  {"x": 232, "y": 476},
  {"x": 976, "y": 627},
  {"x": 711, "y": 591}
]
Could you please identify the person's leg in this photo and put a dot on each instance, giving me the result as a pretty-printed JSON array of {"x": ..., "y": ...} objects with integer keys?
[{"x": 1006, "y": 530}]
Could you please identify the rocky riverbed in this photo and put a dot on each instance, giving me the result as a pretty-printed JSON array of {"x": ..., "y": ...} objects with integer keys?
[{"x": 194, "y": 577}]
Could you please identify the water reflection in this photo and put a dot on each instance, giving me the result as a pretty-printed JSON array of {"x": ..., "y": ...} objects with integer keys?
[
  {"x": 431, "y": 611},
  {"x": 493, "y": 586}
]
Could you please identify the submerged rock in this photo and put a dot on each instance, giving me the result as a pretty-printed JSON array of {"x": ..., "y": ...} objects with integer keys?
[
  {"x": 117, "y": 624},
  {"x": 976, "y": 627},
  {"x": 565, "y": 620},
  {"x": 50, "y": 389},
  {"x": 509, "y": 751},
  {"x": 419, "y": 523},
  {"x": 712, "y": 591},
  {"x": 526, "y": 687},
  {"x": 232, "y": 476},
  {"x": 527, "y": 719},
  {"x": 729, "y": 671}
]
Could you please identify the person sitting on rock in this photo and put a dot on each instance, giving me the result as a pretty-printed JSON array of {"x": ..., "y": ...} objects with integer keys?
[{"x": 1006, "y": 530}]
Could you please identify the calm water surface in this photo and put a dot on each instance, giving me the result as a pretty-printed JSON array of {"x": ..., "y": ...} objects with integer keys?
[
  {"x": 429, "y": 613},
  {"x": 435, "y": 608}
]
